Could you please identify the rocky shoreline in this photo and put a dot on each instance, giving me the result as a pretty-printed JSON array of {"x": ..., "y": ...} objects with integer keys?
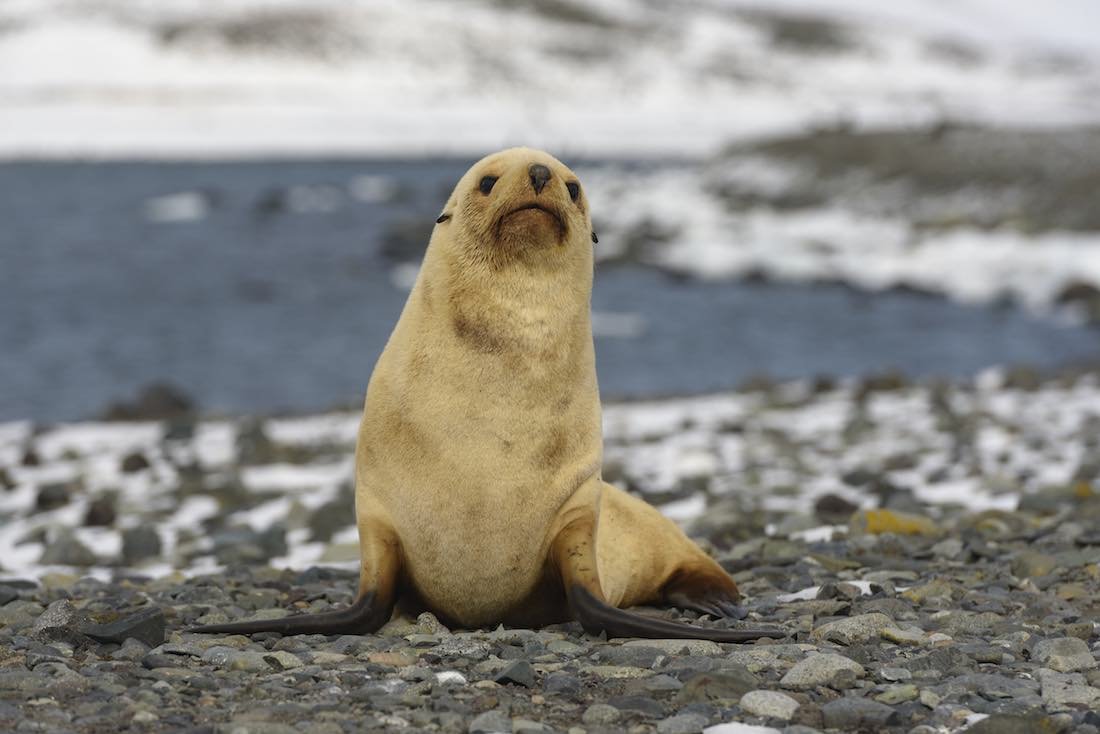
[{"x": 932, "y": 549}]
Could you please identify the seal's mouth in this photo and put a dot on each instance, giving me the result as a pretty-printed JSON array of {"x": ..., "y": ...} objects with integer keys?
[{"x": 534, "y": 206}]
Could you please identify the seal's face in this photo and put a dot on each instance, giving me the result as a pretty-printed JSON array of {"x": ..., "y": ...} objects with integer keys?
[{"x": 520, "y": 205}]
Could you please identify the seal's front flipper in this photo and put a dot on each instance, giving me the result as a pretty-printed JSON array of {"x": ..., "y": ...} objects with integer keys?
[
  {"x": 573, "y": 552},
  {"x": 380, "y": 555}
]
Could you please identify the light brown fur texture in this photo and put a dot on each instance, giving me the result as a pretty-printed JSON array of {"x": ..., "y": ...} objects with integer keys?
[{"x": 478, "y": 487}]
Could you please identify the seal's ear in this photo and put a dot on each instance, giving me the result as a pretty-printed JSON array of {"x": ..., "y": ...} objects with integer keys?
[
  {"x": 595, "y": 239},
  {"x": 443, "y": 218}
]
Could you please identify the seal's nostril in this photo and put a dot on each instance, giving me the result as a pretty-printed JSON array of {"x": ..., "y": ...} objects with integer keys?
[{"x": 540, "y": 174}]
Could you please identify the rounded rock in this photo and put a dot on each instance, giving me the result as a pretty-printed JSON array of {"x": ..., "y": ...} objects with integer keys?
[{"x": 769, "y": 704}]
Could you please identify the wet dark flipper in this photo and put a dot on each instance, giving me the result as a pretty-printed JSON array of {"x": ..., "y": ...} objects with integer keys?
[
  {"x": 367, "y": 614},
  {"x": 380, "y": 566},
  {"x": 573, "y": 552},
  {"x": 597, "y": 616}
]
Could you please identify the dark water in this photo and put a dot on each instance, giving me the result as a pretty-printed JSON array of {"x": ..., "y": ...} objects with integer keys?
[{"x": 277, "y": 299}]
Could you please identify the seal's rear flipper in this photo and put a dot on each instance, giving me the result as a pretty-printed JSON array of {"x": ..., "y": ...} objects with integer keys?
[
  {"x": 380, "y": 561},
  {"x": 574, "y": 554},
  {"x": 596, "y": 616},
  {"x": 365, "y": 615}
]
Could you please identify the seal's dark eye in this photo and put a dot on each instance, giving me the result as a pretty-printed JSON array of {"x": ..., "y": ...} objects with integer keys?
[
  {"x": 574, "y": 190},
  {"x": 486, "y": 184}
]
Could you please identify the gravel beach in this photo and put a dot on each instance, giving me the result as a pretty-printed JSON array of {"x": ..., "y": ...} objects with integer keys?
[{"x": 931, "y": 548}]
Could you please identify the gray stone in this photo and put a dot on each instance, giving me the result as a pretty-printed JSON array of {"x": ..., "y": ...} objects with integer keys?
[
  {"x": 727, "y": 685},
  {"x": 823, "y": 669},
  {"x": 560, "y": 682},
  {"x": 146, "y": 625},
  {"x": 61, "y": 621},
  {"x": 898, "y": 694},
  {"x": 644, "y": 705},
  {"x": 638, "y": 656},
  {"x": 139, "y": 544},
  {"x": 1067, "y": 690},
  {"x": 519, "y": 726},
  {"x": 518, "y": 672},
  {"x": 1013, "y": 724},
  {"x": 991, "y": 686},
  {"x": 134, "y": 462},
  {"x": 854, "y": 630},
  {"x": 600, "y": 714},
  {"x": 66, "y": 550},
  {"x": 330, "y": 518},
  {"x": 769, "y": 704},
  {"x": 282, "y": 660},
  {"x": 679, "y": 647},
  {"x": 1064, "y": 654},
  {"x": 849, "y": 714},
  {"x": 906, "y": 636},
  {"x": 682, "y": 724},
  {"x": 1029, "y": 564}
]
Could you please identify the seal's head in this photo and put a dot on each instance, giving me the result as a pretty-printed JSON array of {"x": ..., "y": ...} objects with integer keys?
[{"x": 519, "y": 206}]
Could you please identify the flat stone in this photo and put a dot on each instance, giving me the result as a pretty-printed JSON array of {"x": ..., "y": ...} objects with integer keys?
[
  {"x": 849, "y": 714},
  {"x": 491, "y": 722},
  {"x": 823, "y": 669},
  {"x": 682, "y": 724},
  {"x": 146, "y": 625},
  {"x": 1067, "y": 690},
  {"x": 898, "y": 694},
  {"x": 1014, "y": 724},
  {"x": 282, "y": 660},
  {"x": 251, "y": 662},
  {"x": 645, "y": 705},
  {"x": 519, "y": 726},
  {"x": 1064, "y": 654},
  {"x": 854, "y": 630},
  {"x": 66, "y": 550},
  {"x": 565, "y": 648},
  {"x": 139, "y": 544},
  {"x": 1030, "y": 564},
  {"x": 61, "y": 621},
  {"x": 769, "y": 704},
  {"x": 518, "y": 672},
  {"x": 906, "y": 636},
  {"x": 679, "y": 647},
  {"x": 617, "y": 671},
  {"x": 728, "y": 685},
  {"x": 600, "y": 714}
]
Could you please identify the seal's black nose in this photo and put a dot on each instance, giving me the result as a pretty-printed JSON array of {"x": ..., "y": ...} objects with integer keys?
[{"x": 540, "y": 174}]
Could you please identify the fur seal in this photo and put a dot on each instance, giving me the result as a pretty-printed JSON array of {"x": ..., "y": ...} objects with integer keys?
[{"x": 478, "y": 488}]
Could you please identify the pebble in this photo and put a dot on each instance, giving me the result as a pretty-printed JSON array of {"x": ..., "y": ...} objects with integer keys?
[
  {"x": 849, "y": 714},
  {"x": 769, "y": 704},
  {"x": 1062, "y": 690},
  {"x": 823, "y": 669},
  {"x": 518, "y": 672},
  {"x": 146, "y": 626},
  {"x": 854, "y": 630},
  {"x": 490, "y": 722},
  {"x": 682, "y": 724},
  {"x": 678, "y": 647},
  {"x": 728, "y": 685},
  {"x": 66, "y": 550},
  {"x": 889, "y": 631},
  {"x": 600, "y": 714},
  {"x": 1064, "y": 654}
]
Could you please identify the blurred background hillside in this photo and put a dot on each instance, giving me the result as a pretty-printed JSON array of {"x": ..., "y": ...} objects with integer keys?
[{"x": 231, "y": 197}]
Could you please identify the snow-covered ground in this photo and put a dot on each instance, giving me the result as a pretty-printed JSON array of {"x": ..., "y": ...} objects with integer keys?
[
  {"x": 769, "y": 455},
  {"x": 602, "y": 78}
]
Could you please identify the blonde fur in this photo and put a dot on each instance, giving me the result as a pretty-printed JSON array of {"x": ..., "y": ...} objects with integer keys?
[{"x": 481, "y": 429}]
